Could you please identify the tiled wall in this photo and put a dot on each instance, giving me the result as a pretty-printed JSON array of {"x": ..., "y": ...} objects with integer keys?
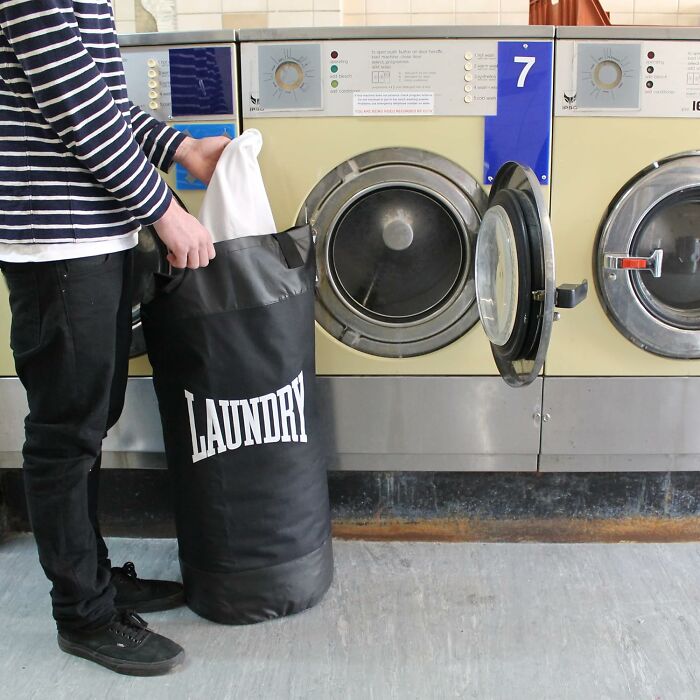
[
  {"x": 667, "y": 12},
  {"x": 214, "y": 14}
]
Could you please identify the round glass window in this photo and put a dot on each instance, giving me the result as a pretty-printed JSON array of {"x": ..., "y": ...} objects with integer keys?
[
  {"x": 674, "y": 227},
  {"x": 397, "y": 254},
  {"x": 497, "y": 275}
]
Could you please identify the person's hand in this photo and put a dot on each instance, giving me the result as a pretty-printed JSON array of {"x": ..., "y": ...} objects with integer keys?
[
  {"x": 200, "y": 156},
  {"x": 189, "y": 243}
]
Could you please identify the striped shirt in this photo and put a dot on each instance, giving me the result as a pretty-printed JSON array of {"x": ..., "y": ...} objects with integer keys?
[{"x": 77, "y": 159}]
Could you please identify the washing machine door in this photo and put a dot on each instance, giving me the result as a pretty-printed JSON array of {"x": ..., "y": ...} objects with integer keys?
[
  {"x": 515, "y": 283},
  {"x": 395, "y": 234},
  {"x": 648, "y": 258},
  {"x": 149, "y": 257}
]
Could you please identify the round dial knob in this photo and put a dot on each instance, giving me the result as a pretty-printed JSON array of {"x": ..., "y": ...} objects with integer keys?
[
  {"x": 607, "y": 74},
  {"x": 289, "y": 76}
]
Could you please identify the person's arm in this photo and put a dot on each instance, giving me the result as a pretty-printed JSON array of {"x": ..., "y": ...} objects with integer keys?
[
  {"x": 157, "y": 140},
  {"x": 76, "y": 101},
  {"x": 163, "y": 145}
]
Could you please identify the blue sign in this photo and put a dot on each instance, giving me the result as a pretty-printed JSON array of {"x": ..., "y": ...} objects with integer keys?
[
  {"x": 183, "y": 180},
  {"x": 522, "y": 127}
]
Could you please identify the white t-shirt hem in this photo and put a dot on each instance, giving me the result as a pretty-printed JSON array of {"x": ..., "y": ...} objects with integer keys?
[{"x": 48, "y": 252}]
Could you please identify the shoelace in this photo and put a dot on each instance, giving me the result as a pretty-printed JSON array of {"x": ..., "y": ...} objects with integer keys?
[
  {"x": 128, "y": 569},
  {"x": 130, "y": 626}
]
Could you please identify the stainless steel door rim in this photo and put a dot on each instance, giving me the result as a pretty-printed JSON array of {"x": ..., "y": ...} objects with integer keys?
[
  {"x": 642, "y": 219},
  {"x": 421, "y": 176}
]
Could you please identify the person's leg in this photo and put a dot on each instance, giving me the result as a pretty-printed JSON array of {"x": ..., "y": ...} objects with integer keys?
[
  {"x": 132, "y": 593},
  {"x": 93, "y": 490},
  {"x": 116, "y": 403},
  {"x": 64, "y": 334}
]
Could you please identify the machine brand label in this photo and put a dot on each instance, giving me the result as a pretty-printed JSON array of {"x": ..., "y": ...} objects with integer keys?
[
  {"x": 232, "y": 424},
  {"x": 569, "y": 101}
]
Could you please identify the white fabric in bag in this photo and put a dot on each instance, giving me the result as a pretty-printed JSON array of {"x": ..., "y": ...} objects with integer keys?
[{"x": 235, "y": 203}]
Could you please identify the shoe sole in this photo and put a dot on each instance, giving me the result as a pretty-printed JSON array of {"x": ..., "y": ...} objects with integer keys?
[
  {"x": 127, "y": 668},
  {"x": 147, "y": 606}
]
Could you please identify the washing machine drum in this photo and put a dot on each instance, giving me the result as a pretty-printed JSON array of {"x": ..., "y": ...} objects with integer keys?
[
  {"x": 396, "y": 230},
  {"x": 397, "y": 253},
  {"x": 149, "y": 258},
  {"x": 649, "y": 258}
]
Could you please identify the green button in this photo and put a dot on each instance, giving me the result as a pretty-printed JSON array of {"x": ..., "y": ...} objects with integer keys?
[
  {"x": 334, "y": 83},
  {"x": 334, "y": 68}
]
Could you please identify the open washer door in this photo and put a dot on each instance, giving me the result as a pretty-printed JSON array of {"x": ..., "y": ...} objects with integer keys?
[{"x": 514, "y": 273}]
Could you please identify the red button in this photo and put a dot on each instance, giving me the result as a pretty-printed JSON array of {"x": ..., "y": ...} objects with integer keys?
[{"x": 334, "y": 54}]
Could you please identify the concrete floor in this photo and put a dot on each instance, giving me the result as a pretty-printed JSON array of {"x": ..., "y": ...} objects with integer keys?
[{"x": 403, "y": 620}]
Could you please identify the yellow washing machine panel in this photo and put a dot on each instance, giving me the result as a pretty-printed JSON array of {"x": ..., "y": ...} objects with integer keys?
[
  {"x": 593, "y": 158},
  {"x": 297, "y": 153},
  {"x": 622, "y": 106}
]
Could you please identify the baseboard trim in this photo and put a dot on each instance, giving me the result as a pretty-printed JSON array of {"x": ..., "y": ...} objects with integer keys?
[{"x": 438, "y": 506}]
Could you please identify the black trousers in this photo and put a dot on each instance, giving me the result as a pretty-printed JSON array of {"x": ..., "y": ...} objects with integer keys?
[{"x": 70, "y": 336}]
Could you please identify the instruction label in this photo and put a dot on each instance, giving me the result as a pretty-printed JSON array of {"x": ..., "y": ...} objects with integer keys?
[{"x": 392, "y": 103}]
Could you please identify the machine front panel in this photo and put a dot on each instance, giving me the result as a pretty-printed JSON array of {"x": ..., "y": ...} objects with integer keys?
[
  {"x": 625, "y": 78},
  {"x": 370, "y": 78},
  {"x": 374, "y": 423},
  {"x": 508, "y": 82},
  {"x": 174, "y": 82},
  {"x": 593, "y": 158},
  {"x": 620, "y": 106},
  {"x": 601, "y": 424},
  {"x": 297, "y": 153}
]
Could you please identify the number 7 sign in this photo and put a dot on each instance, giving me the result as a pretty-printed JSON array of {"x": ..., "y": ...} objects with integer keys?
[
  {"x": 521, "y": 128},
  {"x": 528, "y": 62}
]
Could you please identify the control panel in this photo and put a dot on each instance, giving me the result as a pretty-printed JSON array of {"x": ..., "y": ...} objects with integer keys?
[
  {"x": 627, "y": 78},
  {"x": 189, "y": 82},
  {"x": 371, "y": 78}
]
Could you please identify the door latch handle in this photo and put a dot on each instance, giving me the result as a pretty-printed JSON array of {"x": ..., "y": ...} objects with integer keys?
[
  {"x": 569, "y": 295},
  {"x": 615, "y": 261}
]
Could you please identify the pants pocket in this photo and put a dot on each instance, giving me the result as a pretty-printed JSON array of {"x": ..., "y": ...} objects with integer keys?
[
  {"x": 25, "y": 330},
  {"x": 93, "y": 264}
]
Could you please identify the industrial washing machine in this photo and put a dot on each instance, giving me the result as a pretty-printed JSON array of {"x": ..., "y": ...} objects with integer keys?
[
  {"x": 188, "y": 79},
  {"x": 386, "y": 140},
  {"x": 622, "y": 384}
]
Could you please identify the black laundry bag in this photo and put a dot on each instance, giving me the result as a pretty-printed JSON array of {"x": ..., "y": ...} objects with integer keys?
[{"x": 232, "y": 349}]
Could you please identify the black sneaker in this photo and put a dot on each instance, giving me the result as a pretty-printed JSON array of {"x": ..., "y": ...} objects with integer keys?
[
  {"x": 124, "y": 645},
  {"x": 143, "y": 595}
]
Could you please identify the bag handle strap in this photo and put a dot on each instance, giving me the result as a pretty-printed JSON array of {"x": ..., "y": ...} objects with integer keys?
[
  {"x": 289, "y": 250},
  {"x": 168, "y": 283}
]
